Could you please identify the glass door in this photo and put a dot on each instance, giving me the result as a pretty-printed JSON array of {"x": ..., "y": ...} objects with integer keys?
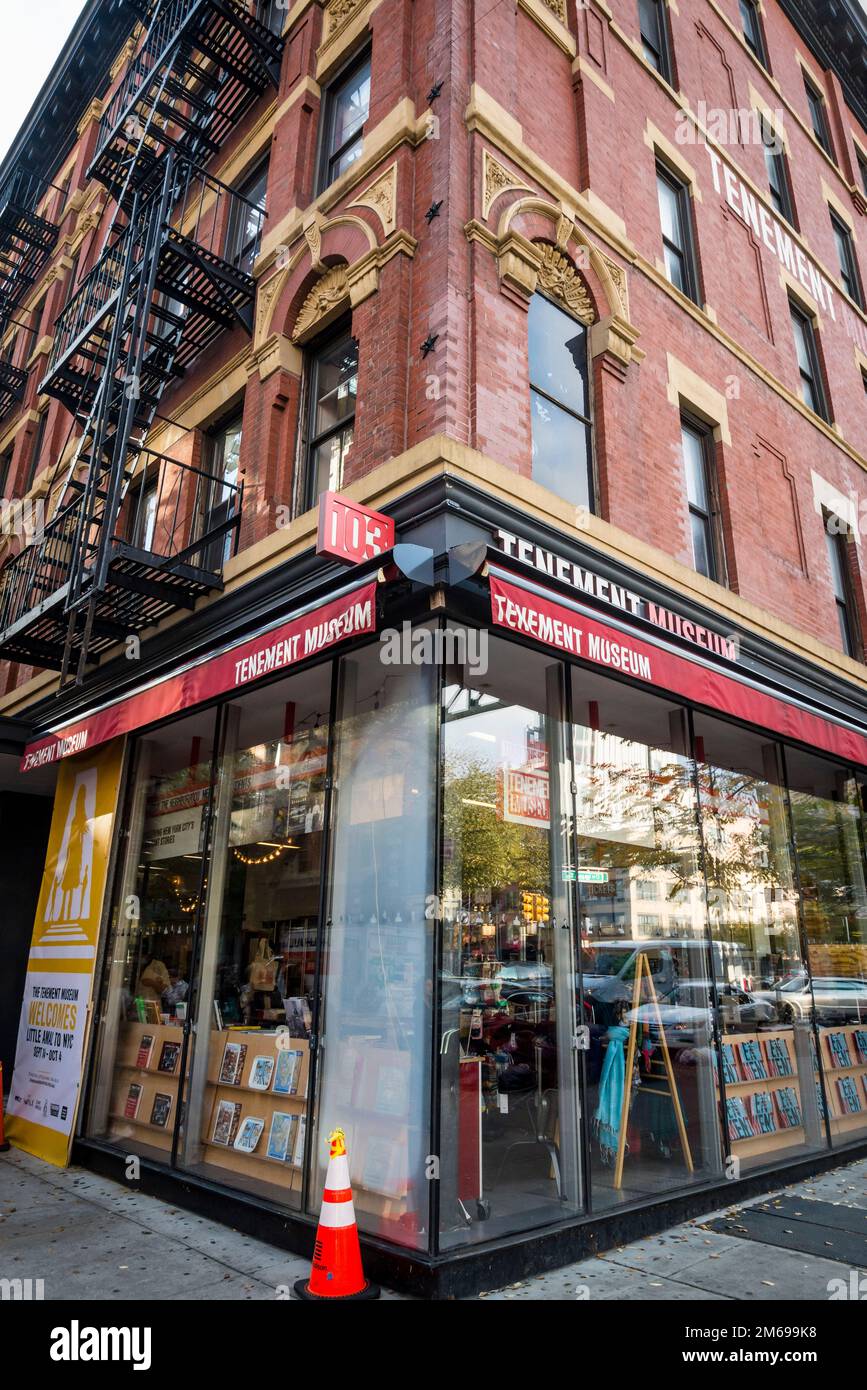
[{"x": 508, "y": 1078}]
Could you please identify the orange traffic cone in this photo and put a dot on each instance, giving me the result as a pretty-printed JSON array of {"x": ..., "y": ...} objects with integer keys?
[
  {"x": 336, "y": 1271},
  {"x": 4, "y": 1142}
]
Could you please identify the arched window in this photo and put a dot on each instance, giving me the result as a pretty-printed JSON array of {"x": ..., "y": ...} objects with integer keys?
[
  {"x": 560, "y": 402},
  {"x": 332, "y": 375}
]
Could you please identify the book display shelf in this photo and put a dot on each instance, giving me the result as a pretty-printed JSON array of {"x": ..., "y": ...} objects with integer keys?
[
  {"x": 767, "y": 1110},
  {"x": 844, "y": 1057},
  {"x": 146, "y": 1083}
]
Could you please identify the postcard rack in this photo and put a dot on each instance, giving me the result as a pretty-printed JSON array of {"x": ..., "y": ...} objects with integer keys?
[{"x": 145, "y": 1092}]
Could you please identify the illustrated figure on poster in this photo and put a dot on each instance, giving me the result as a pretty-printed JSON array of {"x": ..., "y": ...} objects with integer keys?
[{"x": 69, "y": 899}]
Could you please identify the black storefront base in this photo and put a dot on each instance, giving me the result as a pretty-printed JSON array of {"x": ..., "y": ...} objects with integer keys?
[{"x": 461, "y": 1273}]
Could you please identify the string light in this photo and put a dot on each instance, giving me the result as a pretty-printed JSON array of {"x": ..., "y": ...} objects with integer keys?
[{"x": 251, "y": 860}]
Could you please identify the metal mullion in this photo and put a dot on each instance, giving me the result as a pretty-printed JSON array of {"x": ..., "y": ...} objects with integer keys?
[{"x": 552, "y": 400}]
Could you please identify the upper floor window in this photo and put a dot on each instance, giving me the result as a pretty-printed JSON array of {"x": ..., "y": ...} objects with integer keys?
[
  {"x": 333, "y": 388},
  {"x": 246, "y": 220},
  {"x": 675, "y": 214},
  {"x": 777, "y": 168},
  {"x": 837, "y": 543},
  {"x": 5, "y": 469},
  {"x": 653, "y": 23},
  {"x": 560, "y": 402},
  {"x": 809, "y": 365},
  {"x": 220, "y": 502},
  {"x": 752, "y": 25},
  {"x": 36, "y": 461},
  {"x": 345, "y": 110},
  {"x": 818, "y": 116},
  {"x": 862, "y": 168},
  {"x": 848, "y": 263},
  {"x": 706, "y": 541}
]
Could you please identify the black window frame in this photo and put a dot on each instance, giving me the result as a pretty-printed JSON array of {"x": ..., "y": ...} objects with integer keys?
[
  {"x": 215, "y": 509},
  {"x": 6, "y": 460},
  {"x": 711, "y": 516},
  {"x": 586, "y": 421},
  {"x": 327, "y": 155},
  {"x": 753, "y": 31},
  {"x": 837, "y": 549},
  {"x": 817, "y": 376},
  {"x": 36, "y": 450},
  {"x": 850, "y": 274},
  {"x": 688, "y": 252},
  {"x": 782, "y": 196},
  {"x": 237, "y": 252},
  {"x": 861, "y": 161},
  {"x": 657, "y": 45},
  {"x": 315, "y": 351},
  {"x": 819, "y": 122}
]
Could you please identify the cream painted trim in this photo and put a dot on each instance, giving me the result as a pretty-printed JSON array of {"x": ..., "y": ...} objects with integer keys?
[
  {"x": 814, "y": 74},
  {"x": 587, "y": 70},
  {"x": 793, "y": 287},
  {"x": 14, "y": 429},
  {"x": 686, "y": 389},
  {"x": 334, "y": 51},
  {"x": 737, "y": 34},
  {"x": 661, "y": 145},
  {"x": 199, "y": 409},
  {"x": 861, "y": 362},
  {"x": 774, "y": 118},
  {"x": 302, "y": 87},
  {"x": 550, "y": 25},
  {"x": 440, "y": 456},
  {"x": 841, "y": 210},
  {"x": 827, "y": 498}
]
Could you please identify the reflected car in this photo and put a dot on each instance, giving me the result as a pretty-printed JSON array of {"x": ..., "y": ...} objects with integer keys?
[
  {"x": 519, "y": 977},
  {"x": 838, "y": 999},
  {"x": 687, "y": 1011}
]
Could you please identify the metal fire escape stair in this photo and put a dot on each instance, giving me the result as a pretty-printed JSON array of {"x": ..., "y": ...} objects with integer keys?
[{"x": 159, "y": 294}]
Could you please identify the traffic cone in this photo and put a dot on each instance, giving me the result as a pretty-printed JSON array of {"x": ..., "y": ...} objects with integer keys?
[
  {"x": 4, "y": 1142},
  {"x": 336, "y": 1271}
]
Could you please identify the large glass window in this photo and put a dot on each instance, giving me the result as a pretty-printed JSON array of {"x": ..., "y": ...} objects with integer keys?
[
  {"x": 675, "y": 215},
  {"x": 772, "y": 1094},
  {"x": 752, "y": 27},
  {"x": 653, "y": 24},
  {"x": 776, "y": 165},
  {"x": 829, "y": 834},
  {"x": 346, "y": 106},
  {"x": 559, "y": 401},
  {"x": 646, "y": 976},
  {"x": 224, "y": 464},
  {"x": 809, "y": 368},
  {"x": 507, "y": 981},
  {"x": 697, "y": 444},
  {"x": 246, "y": 220},
  {"x": 143, "y": 1029},
  {"x": 818, "y": 116},
  {"x": 849, "y": 272},
  {"x": 837, "y": 545},
  {"x": 375, "y": 1029}
]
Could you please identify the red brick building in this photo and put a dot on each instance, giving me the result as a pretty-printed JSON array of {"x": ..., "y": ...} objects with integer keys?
[{"x": 575, "y": 295}]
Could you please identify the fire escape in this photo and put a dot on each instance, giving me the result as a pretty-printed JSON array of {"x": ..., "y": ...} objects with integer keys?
[
  {"x": 136, "y": 535},
  {"x": 27, "y": 239}
]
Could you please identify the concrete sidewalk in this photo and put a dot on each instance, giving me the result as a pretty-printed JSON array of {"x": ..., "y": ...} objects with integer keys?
[{"x": 91, "y": 1239}]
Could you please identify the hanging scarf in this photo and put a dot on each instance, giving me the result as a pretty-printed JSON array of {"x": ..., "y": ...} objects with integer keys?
[{"x": 606, "y": 1121}]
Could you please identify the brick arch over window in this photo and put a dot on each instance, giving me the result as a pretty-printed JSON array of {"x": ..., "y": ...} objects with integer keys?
[
  {"x": 561, "y": 280},
  {"x": 344, "y": 241},
  {"x": 539, "y": 221}
]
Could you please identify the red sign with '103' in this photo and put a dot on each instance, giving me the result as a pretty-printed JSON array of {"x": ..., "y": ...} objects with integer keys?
[{"x": 351, "y": 532}]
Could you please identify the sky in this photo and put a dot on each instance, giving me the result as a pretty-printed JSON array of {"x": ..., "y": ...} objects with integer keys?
[{"x": 33, "y": 33}]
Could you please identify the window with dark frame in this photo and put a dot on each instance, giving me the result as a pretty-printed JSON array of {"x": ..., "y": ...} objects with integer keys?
[
  {"x": 560, "y": 402},
  {"x": 818, "y": 116},
  {"x": 332, "y": 374},
  {"x": 244, "y": 235},
  {"x": 809, "y": 365},
  {"x": 753, "y": 33},
  {"x": 653, "y": 25},
  {"x": 36, "y": 451},
  {"x": 143, "y": 514},
  {"x": 849, "y": 273},
  {"x": 675, "y": 215},
  {"x": 698, "y": 466},
  {"x": 5, "y": 471},
  {"x": 777, "y": 167},
  {"x": 837, "y": 541},
  {"x": 345, "y": 109},
  {"x": 224, "y": 467},
  {"x": 862, "y": 168}
]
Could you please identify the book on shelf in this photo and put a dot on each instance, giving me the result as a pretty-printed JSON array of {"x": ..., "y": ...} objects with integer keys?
[
  {"x": 752, "y": 1061},
  {"x": 762, "y": 1113},
  {"x": 788, "y": 1108},
  {"x": 859, "y": 1038},
  {"x": 169, "y": 1057},
  {"x": 850, "y": 1102},
  {"x": 739, "y": 1123},
  {"x": 298, "y": 1152},
  {"x": 838, "y": 1047},
  {"x": 820, "y": 1099},
  {"x": 226, "y": 1122},
  {"x": 161, "y": 1109},
  {"x": 232, "y": 1067},
  {"x": 260, "y": 1072},
  {"x": 779, "y": 1059},
  {"x": 133, "y": 1100},
  {"x": 281, "y": 1137},
  {"x": 731, "y": 1069},
  {"x": 145, "y": 1051},
  {"x": 287, "y": 1071},
  {"x": 249, "y": 1134}
]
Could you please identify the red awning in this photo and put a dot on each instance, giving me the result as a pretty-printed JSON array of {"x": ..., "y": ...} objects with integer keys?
[
  {"x": 278, "y": 649},
  {"x": 545, "y": 617}
]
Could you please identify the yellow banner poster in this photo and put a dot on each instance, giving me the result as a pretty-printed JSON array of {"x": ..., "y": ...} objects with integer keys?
[{"x": 46, "y": 1082}]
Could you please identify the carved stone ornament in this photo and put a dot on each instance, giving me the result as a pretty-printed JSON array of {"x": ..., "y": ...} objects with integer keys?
[
  {"x": 337, "y": 14},
  {"x": 497, "y": 179},
  {"x": 618, "y": 277},
  {"x": 559, "y": 277},
  {"x": 329, "y": 293},
  {"x": 557, "y": 8},
  {"x": 381, "y": 197}
]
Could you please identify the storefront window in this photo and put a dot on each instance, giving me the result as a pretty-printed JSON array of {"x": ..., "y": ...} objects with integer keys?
[
  {"x": 772, "y": 1092},
  {"x": 508, "y": 1140},
  {"x": 373, "y": 1063},
  {"x": 829, "y": 834},
  {"x": 646, "y": 975},
  {"x": 143, "y": 1026},
  {"x": 249, "y": 1078}
]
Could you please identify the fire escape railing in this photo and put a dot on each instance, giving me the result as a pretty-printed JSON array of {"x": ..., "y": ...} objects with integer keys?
[{"x": 27, "y": 237}]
